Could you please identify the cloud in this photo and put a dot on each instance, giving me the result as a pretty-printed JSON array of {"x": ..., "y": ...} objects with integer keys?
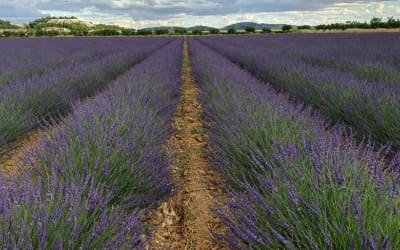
[
  {"x": 209, "y": 12},
  {"x": 16, "y": 13},
  {"x": 192, "y": 7}
]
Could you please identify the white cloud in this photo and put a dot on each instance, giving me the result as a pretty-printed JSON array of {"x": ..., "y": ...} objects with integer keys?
[{"x": 218, "y": 13}]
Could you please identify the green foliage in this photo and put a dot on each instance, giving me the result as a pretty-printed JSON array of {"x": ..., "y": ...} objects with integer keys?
[
  {"x": 197, "y": 32},
  {"x": 38, "y": 26},
  {"x": 79, "y": 32},
  {"x": 40, "y": 32},
  {"x": 214, "y": 31},
  {"x": 53, "y": 33},
  {"x": 65, "y": 17},
  {"x": 333, "y": 26},
  {"x": 286, "y": 28},
  {"x": 106, "y": 32},
  {"x": 7, "y": 25},
  {"x": 231, "y": 31},
  {"x": 44, "y": 21},
  {"x": 304, "y": 27},
  {"x": 161, "y": 31},
  {"x": 375, "y": 23},
  {"x": 266, "y": 30},
  {"x": 393, "y": 23},
  {"x": 17, "y": 33},
  {"x": 40, "y": 22},
  {"x": 250, "y": 29},
  {"x": 144, "y": 32},
  {"x": 106, "y": 26},
  {"x": 78, "y": 29},
  {"x": 128, "y": 32},
  {"x": 180, "y": 31}
]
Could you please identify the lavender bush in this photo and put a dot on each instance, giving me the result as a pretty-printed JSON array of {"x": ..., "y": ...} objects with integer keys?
[
  {"x": 27, "y": 102},
  {"x": 292, "y": 183},
  {"x": 98, "y": 171},
  {"x": 371, "y": 107},
  {"x": 64, "y": 215}
]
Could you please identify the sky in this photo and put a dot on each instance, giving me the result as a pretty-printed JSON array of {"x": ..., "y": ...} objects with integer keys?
[{"x": 216, "y": 13}]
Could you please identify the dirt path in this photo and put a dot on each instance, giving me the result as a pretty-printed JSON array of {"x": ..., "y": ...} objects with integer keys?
[
  {"x": 10, "y": 161},
  {"x": 185, "y": 221}
]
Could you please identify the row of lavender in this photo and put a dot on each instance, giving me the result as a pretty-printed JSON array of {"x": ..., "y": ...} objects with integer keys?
[
  {"x": 27, "y": 101},
  {"x": 23, "y": 58},
  {"x": 95, "y": 174},
  {"x": 368, "y": 102},
  {"x": 369, "y": 57},
  {"x": 291, "y": 182}
]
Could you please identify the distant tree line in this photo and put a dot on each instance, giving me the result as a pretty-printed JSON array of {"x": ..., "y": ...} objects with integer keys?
[
  {"x": 375, "y": 23},
  {"x": 70, "y": 25},
  {"x": 304, "y": 27}
]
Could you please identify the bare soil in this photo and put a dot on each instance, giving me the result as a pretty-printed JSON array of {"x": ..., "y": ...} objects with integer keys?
[
  {"x": 11, "y": 161},
  {"x": 186, "y": 221}
]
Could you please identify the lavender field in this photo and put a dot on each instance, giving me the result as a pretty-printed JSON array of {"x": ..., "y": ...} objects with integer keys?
[
  {"x": 351, "y": 78},
  {"x": 293, "y": 180},
  {"x": 283, "y": 141}
]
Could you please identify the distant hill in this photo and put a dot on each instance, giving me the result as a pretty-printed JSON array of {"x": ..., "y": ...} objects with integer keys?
[
  {"x": 162, "y": 28},
  {"x": 257, "y": 26},
  {"x": 237, "y": 26},
  {"x": 172, "y": 28},
  {"x": 200, "y": 27}
]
